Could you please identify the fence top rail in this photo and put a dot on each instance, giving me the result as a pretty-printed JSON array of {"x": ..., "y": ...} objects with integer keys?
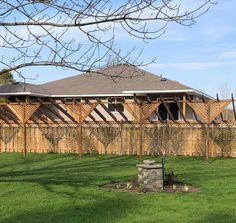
[{"x": 106, "y": 101}]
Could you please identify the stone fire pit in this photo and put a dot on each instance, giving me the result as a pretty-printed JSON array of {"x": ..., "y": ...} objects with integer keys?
[{"x": 150, "y": 175}]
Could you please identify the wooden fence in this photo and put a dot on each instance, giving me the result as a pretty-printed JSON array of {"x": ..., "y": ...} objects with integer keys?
[
  {"x": 59, "y": 126},
  {"x": 157, "y": 140}
]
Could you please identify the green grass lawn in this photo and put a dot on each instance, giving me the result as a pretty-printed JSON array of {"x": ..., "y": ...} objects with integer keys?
[{"x": 63, "y": 188}]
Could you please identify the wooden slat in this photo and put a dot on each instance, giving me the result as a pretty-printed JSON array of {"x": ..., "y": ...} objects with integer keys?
[
  {"x": 107, "y": 110},
  {"x": 8, "y": 115},
  {"x": 54, "y": 113},
  {"x": 232, "y": 97},
  {"x": 2, "y": 117},
  {"x": 48, "y": 116},
  {"x": 91, "y": 116},
  {"x": 35, "y": 121},
  {"x": 100, "y": 115},
  {"x": 181, "y": 113},
  {"x": 184, "y": 105},
  {"x": 158, "y": 115},
  {"x": 62, "y": 109},
  {"x": 36, "y": 115},
  {"x": 168, "y": 111},
  {"x": 121, "y": 113}
]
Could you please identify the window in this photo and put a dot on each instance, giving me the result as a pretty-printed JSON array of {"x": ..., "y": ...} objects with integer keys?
[
  {"x": 115, "y": 105},
  {"x": 173, "y": 110},
  {"x": 72, "y": 99},
  {"x": 162, "y": 112}
]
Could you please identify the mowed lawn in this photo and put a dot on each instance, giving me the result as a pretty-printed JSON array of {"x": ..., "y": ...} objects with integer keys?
[{"x": 64, "y": 188}]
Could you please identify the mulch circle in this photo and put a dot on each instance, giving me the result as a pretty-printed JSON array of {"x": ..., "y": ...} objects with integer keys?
[{"x": 134, "y": 187}]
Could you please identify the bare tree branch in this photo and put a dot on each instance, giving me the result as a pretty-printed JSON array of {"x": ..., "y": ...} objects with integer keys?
[{"x": 82, "y": 35}]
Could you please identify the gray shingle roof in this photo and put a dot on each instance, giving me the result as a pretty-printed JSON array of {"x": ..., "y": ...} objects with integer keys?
[
  {"x": 112, "y": 80},
  {"x": 23, "y": 88}
]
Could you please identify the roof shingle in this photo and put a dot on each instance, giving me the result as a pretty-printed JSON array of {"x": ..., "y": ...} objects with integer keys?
[
  {"x": 19, "y": 87},
  {"x": 112, "y": 80}
]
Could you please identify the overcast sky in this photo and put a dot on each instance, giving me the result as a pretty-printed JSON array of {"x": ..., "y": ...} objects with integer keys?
[{"x": 202, "y": 56}]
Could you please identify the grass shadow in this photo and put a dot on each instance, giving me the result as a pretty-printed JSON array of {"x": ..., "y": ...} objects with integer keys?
[{"x": 107, "y": 211}]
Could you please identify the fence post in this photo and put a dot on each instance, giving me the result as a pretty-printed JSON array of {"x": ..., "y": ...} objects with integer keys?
[
  {"x": 208, "y": 131},
  {"x": 140, "y": 132},
  {"x": 24, "y": 130},
  {"x": 0, "y": 138},
  {"x": 80, "y": 141},
  {"x": 212, "y": 141},
  {"x": 121, "y": 138},
  {"x": 184, "y": 105}
]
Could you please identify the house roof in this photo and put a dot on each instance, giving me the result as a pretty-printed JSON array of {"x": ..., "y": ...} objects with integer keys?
[
  {"x": 117, "y": 80},
  {"x": 19, "y": 88},
  {"x": 114, "y": 80}
]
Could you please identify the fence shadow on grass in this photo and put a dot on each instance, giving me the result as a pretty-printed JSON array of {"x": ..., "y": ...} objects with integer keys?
[
  {"x": 68, "y": 171},
  {"x": 72, "y": 179},
  {"x": 100, "y": 211}
]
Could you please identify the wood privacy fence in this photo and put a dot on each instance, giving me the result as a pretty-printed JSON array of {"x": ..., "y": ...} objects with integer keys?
[
  {"x": 125, "y": 139},
  {"x": 90, "y": 127}
]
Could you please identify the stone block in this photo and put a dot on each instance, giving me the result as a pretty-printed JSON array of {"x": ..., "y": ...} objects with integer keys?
[{"x": 150, "y": 176}]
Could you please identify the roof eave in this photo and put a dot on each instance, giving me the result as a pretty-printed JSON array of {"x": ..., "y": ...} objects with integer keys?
[
  {"x": 169, "y": 92},
  {"x": 92, "y": 95},
  {"x": 158, "y": 91},
  {"x": 123, "y": 94},
  {"x": 24, "y": 94}
]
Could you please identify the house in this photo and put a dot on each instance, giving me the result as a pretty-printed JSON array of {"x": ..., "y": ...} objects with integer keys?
[{"x": 113, "y": 85}]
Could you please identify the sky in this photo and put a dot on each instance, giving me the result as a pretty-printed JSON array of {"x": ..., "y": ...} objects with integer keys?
[{"x": 202, "y": 56}]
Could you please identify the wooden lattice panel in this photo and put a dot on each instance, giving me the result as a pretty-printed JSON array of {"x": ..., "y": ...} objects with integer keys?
[
  {"x": 141, "y": 112},
  {"x": 217, "y": 107},
  {"x": 80, "y": 111},
  {"x": 1, "y": 108},
  {"x": 23, "y": 111},
  {"x": 202, "y": 109}
]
